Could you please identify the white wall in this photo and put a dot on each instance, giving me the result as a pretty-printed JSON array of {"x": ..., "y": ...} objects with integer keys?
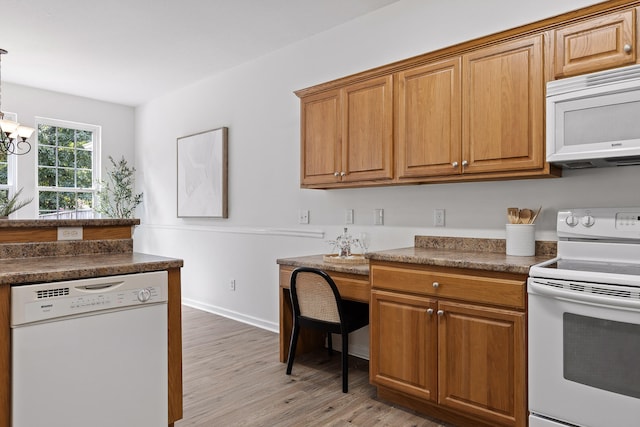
[
  {"x": 116, "y": 122},
  {"x": 257, "y": 103}
]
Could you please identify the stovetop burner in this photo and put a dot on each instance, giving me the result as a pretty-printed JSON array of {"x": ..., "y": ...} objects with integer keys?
[{"x": 596, "y": 266}]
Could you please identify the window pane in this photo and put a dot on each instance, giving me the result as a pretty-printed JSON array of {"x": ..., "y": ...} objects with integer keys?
[
  {"x": 83, "y": 159},
  {"x": 84, "y": 139},
  {"x": 66, "y": 137},
  {"x": 48, "y": 202},
  {"x": 66, "y": 158},
  {"x": 66, "y": 178},
  {"x": 4, "y": 173},
  {"x": 85, "y": 200},
  {"x": 67, "y": 201},
  {"x": 46, "y": 156},
  {"x": 84, "y": 178},
  {"x": 46, "y": 177},
  {"x": 46, "y": 135}
]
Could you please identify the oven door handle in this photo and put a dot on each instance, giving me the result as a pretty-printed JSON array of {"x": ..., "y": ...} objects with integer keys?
[{"x": 540, "y": 288}]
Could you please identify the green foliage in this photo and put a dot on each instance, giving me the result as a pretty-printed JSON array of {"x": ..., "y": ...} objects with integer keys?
[
  {"x": 8, "y": 205},
  {"x": 116, "y": 196}
]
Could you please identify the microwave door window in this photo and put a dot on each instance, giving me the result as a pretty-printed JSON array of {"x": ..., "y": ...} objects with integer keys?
[{"x": 602, "y": 124}]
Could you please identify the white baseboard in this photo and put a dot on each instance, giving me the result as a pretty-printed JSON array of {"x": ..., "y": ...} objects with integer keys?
[{"x": 269, "y": 326}]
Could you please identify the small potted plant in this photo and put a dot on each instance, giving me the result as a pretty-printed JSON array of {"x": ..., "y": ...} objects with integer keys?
[
  {"x": 9, "y": 205},
  {"x": 116, "y": 196}
]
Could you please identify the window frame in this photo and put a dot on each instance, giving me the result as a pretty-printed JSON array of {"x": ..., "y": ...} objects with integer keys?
[
  {"x": 12, "y": 170},
  {"x": 96, "y": 161}
]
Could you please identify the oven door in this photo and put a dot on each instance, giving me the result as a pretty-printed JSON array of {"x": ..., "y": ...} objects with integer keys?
[{"x": 584, "y": 350}]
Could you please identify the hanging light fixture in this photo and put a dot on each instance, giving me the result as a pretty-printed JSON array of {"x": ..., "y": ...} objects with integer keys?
[{"x": 13, "y": 136}]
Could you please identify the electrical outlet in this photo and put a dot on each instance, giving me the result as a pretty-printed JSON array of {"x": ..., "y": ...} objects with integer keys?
[
  {"x": 378, "y": 217},
  {"x": 438, "y": 217},
  {"x": 69, "y": 233},
  {"x": 232, "y": 284},
  {"x": 348, "y": 216},
  {"x": 303, "y": 216}
]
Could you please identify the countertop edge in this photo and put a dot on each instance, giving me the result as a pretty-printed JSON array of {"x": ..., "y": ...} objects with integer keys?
[{"x": 51, "y": 269}]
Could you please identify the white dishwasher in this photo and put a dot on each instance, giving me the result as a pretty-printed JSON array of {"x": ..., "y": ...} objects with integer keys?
[{"x": 90, "y": 352}]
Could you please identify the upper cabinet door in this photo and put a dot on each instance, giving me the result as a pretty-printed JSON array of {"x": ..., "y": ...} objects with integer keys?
[
  {"x": 367, "y": 123},
  {"x": 428, "y": 127},
  {"x": 596, "y": 44},
  {"x": 320, "y": 128},
  {"x": 502, "y": 111}
]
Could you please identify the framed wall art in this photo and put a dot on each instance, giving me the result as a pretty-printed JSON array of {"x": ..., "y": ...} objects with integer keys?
[{"x": 202, "y": 174}]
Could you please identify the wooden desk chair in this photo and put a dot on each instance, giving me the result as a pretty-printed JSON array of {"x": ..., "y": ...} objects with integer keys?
[{"x": 317, "y": 304}]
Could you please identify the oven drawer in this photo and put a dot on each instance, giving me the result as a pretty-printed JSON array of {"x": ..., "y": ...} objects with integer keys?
[{"x": 488, "y": 287}]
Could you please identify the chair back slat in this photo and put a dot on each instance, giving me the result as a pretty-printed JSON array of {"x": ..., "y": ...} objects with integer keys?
[{"x": 316, "y": 298}]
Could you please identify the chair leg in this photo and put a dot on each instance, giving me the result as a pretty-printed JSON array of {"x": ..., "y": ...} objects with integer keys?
[
  {"x": 345, "y": 361},
  {"x": 292, "y": 347},
  {"x": 330, "y": 344}
]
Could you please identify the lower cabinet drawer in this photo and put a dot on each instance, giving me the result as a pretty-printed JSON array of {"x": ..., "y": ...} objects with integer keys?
[{"x": 496, "y": 290}]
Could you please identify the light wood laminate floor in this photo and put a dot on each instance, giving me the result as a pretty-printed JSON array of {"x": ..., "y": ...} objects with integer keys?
[{"x": 232, "y": 377}]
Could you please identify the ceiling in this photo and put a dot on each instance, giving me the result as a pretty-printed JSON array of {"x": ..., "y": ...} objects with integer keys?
[{"x": 130, "y": 51}]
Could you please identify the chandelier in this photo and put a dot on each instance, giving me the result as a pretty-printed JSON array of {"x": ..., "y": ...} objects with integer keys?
[{"x": 13, "y": 136}]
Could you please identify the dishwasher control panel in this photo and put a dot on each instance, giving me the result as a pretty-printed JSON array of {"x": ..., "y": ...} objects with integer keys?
[{"x": 45, "y": 301}]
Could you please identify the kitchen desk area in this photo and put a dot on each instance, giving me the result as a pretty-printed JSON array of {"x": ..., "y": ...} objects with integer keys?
[
  {"x": 447, "y": 325},
  {"x": 31, "y": 251}
]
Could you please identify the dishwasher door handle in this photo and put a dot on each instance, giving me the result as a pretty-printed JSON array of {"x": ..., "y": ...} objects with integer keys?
[{"x": 100, "y": 286}]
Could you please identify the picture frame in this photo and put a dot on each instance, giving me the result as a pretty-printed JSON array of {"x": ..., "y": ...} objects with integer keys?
[{"x": 202, "y": 174}]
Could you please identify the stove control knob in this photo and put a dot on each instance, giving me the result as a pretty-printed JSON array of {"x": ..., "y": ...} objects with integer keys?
[
  {"x": 571, "y": 220},
  {"x": 587, "y": 221}
]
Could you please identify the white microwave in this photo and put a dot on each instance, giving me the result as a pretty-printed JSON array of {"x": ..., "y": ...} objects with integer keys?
[{"x": 593, "y": 120}]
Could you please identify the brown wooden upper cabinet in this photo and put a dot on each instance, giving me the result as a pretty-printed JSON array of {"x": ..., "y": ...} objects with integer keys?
[
  {"x": 503, "y": 107},
  {"x": 481, "y": 112},
  {"x": 596, "y": 44},
  {"x": 347, "y": 133},
  {"x": 429, "y": 126}
]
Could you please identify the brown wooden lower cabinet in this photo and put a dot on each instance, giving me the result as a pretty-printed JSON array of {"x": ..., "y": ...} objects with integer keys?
[{"x": 451, "y": 358}]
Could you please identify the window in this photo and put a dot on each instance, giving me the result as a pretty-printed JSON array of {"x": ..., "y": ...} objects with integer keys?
[
  {"x": 68, "y": 168},
  {"x": 7, "y": 168}
]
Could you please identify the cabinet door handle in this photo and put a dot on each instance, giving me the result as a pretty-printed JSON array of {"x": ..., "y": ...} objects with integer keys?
[
  {"x": 343, "y": 173},
  {"x": 454, "y": 164},
  {"x": 429, "y": 310},
  {"x": 627, "y": 48},
  {"x": 336, "y": 174},
  {"x": 440, "y": 313},
  {"x": 465, "y": 163},
  {"x": 436, "y": 284}
]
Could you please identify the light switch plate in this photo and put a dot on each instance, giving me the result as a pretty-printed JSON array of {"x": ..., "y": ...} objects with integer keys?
[
  {"x": 348, "y": 216},
  {"x": 69, "y": 233},
  {"x": 378, "y": 217}
]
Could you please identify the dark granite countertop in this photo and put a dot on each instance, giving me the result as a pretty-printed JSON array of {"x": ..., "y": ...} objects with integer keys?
[
  {"x": 455, "y": 252},
  {"x": 20, "y": 271},
  {"x": 41, "y": 223},
  {"x": 476, "y": 260},
  {"x": 317, "y": 261}
]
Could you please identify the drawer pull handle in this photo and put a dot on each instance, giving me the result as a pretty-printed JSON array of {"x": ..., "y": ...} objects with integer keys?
[
  {"x": 436, "y": 284},
  {"x": 440, "y": 313},
  {"x": 429, "y": 311}
]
